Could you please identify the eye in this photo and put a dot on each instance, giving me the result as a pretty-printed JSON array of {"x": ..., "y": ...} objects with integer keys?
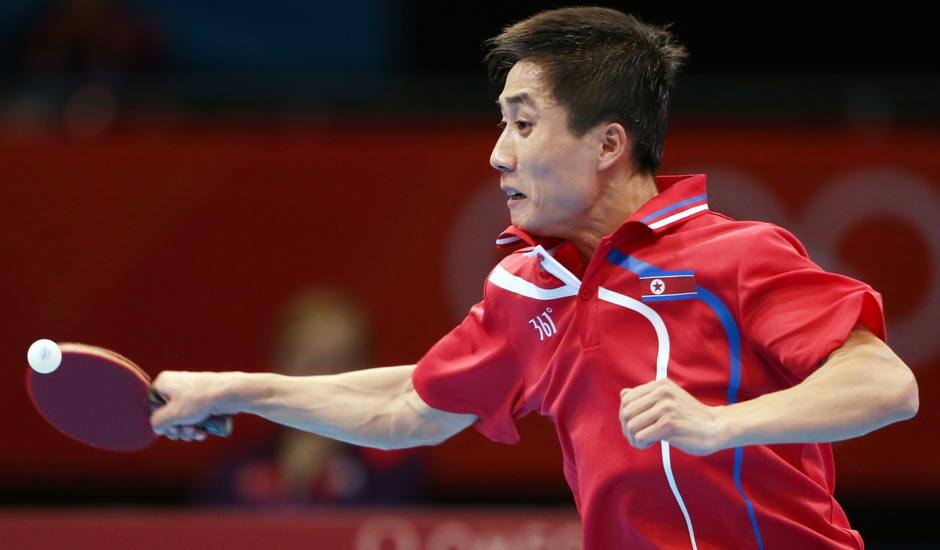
[{"x": 521, "y": 125}]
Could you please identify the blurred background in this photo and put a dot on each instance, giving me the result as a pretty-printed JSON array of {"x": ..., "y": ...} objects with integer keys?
[{"x": 299, "y": 186}]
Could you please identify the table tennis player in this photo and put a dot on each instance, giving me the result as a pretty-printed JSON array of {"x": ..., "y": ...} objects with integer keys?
[{"x": 696, "y": 367}]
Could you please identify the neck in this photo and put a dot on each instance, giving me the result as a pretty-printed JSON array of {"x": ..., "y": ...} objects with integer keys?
[{"x": 619, "y": 197}]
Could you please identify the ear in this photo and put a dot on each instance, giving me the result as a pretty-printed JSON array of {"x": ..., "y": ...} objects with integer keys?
[{"x": 615, "y": 145}]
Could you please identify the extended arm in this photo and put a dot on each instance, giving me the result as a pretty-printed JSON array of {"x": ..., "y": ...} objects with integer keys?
[{"x": 373, "y": 408}]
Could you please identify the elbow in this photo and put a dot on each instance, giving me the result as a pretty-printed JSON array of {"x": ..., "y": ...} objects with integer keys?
[
  {"x": 913, "y": 398},
  {"x": 903, "y": 399},
  {"x": 399, "y": 444},
  {"x": 434, "y": 441},
  {"x": 909, "y": 396},
  {"x": 384, "y": 445},
  {"x": 431, "y": 436}
]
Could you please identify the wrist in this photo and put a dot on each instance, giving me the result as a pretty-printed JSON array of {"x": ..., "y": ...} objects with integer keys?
[
  {"x": 728, "y": 427},
  {"x": 234, "y": 392}
]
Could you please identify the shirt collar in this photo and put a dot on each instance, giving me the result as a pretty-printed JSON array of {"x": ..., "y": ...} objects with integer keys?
[{"x": 679, "y": 198}]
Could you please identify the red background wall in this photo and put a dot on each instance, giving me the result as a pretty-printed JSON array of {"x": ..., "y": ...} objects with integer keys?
[{"x": 177, "y": 248}]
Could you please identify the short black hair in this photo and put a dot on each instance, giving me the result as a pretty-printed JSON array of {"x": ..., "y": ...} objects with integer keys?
[{"x": 603, "y": 65}]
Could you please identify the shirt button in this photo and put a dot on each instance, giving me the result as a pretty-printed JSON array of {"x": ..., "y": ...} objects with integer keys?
[{"x": 585, "y": 294}]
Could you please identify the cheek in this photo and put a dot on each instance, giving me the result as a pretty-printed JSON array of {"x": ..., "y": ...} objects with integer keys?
[
  {"x": 580, "y": 173},
  {"x": 567, "y": 185},
  {"x": 558, "y": 172}
]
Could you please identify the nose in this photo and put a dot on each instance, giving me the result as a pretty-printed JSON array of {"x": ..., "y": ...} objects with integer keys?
[{"x": 502, "y": 158}]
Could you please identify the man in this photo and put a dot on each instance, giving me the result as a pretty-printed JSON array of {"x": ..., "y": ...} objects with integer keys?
[{"x": 633, "y": 316}]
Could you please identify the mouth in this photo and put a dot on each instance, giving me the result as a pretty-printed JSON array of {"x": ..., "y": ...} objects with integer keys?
[{"x": 513, "y": 194}]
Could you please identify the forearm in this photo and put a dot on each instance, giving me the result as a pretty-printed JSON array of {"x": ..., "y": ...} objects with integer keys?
[
  {"x": 852, "y": 394},
  {"x": 366, "y": 407}
]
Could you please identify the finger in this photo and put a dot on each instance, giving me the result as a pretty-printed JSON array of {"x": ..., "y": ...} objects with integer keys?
[
  {"x": 171, "y": 432},
  {"x": 187, "y": 433},
  {"x": 629, "y": 435},
  {"x": 192, "y": 433},
  {"x": 660, "y": 390},
  {"x": 176, "y": 413},
  {"x": 163, "y": 418},
  {"x": 646, "y": 418},
  {"x": 631, "y": 394},
  {"x": 631, "y": 409},
  {"x": 626, "y": 432},
  {"x": 630, "y": 426},
  {"x": 652, "y": 433}
]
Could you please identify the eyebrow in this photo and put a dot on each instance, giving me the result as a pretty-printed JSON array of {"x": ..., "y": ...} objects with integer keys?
[{"x": 518, "y": 99}]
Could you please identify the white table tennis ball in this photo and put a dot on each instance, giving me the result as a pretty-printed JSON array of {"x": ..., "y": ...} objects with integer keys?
[{"x": 44, "y": 356}]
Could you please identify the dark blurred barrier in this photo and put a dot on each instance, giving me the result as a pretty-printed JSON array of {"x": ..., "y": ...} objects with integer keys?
[
  {"x": 321, "y": 528},
  {"x": 177, "y": 247}
]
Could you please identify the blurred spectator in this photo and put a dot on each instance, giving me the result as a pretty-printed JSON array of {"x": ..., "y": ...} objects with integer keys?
[
  {"x": 321, "y": 332},
  {"x": 71, "y": 57}
]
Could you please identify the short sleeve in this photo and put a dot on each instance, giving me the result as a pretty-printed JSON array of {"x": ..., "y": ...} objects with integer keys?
[
  {"x": 473, "y": 369},
  {"x": 792, "y": 311}
]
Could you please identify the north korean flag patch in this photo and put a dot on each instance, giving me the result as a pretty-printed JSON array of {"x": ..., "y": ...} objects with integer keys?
[{"x": 661, "y": 287}]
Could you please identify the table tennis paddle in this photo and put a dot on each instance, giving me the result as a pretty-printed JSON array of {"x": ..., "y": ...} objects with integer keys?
[{"x": 103, "y": 399}]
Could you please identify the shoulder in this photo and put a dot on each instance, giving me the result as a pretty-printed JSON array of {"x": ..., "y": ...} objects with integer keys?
[{"x": 740, "y": 237}]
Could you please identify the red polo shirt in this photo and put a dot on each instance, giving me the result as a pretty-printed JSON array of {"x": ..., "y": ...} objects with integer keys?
[{"x": 728, "y": 310}]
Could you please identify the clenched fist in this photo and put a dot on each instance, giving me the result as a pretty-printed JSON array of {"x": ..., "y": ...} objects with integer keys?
[
  {"x": 191, "y": 397},
  {"x": 661, "y": 410}
]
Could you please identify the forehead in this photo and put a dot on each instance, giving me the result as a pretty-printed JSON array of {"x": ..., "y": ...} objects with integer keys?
[{"x": 525, "y": 84}]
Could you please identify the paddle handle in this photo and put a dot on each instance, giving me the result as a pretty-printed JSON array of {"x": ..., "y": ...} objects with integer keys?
[{"x": 219, "y": 426}]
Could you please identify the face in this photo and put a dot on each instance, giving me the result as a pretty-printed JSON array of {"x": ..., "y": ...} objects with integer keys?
[
  {"x": 549, "y": 174},
  {"x": 324, "y": 344}
]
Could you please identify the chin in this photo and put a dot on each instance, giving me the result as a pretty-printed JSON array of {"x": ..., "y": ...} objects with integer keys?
[
  {"x": 530, "y": 227},
  {"x": 543, "y": 229},
  {"x": 534, "y": 224},
  {"x": 523, "y": 223}
]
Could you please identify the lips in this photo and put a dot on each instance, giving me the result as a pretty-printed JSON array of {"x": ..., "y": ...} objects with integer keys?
[{"x": 513, "y": 193}]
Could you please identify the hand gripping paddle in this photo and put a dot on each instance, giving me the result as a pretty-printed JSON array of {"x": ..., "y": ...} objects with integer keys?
[{"x": 103, "y": 399}]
